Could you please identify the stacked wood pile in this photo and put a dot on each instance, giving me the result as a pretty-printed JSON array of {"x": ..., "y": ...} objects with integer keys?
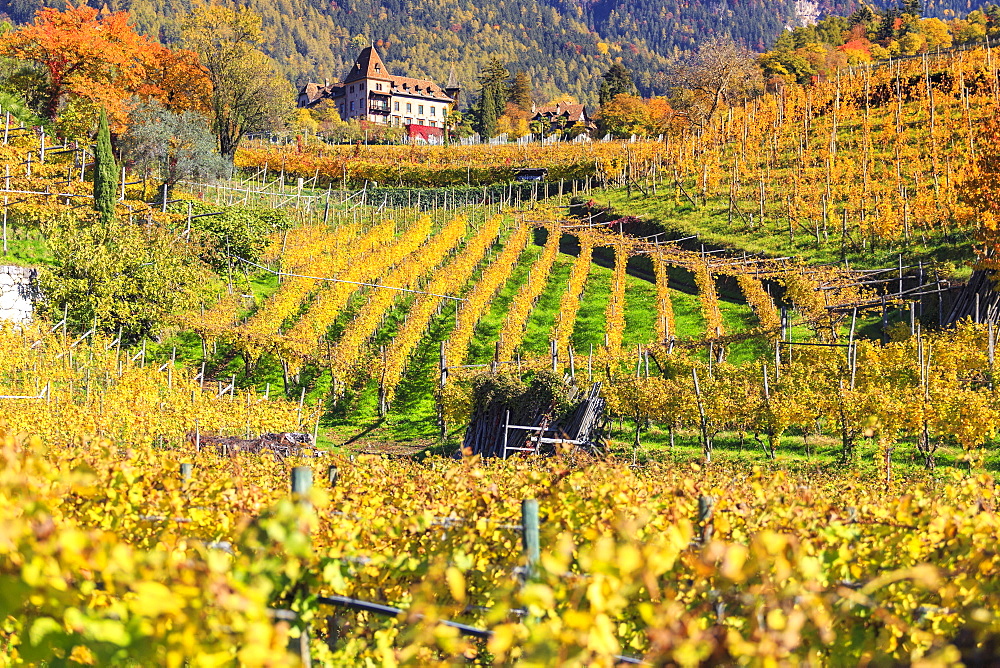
[
  {"x": 978, "y": 300},
  {"x": 283, "y": 445},
  {"x": 576, "y": 418}
]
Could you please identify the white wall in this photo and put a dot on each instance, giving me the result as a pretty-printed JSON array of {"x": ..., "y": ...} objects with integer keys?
[{"x": 17, "y": 293}]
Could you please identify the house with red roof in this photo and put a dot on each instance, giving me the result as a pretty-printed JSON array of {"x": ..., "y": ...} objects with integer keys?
[{"x": 369, "y": 92}]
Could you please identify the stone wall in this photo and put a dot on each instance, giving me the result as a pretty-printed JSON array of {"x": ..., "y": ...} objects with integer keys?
[{"x": 18, "y": 291}]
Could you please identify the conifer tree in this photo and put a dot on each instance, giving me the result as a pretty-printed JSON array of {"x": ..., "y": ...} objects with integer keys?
[
  {"x": 520, "y": 92},
  {"x": 616, "y": 81},
  {"x": 105, "y": 172},
  {"x": 493, "y": 96},
  {"x": 488, "y": 114}
]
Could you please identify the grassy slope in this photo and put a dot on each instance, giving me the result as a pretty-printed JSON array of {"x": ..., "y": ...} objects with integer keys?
[
  {"x": 26, "y": 248},
  {"x": 711, "y": 223}
]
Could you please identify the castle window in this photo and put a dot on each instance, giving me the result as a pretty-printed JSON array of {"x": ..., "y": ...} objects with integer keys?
[
  {"x": 377, "y": 68},
  {"x": 352, "y": 105},
  {"x": 420, "y": 109},
  {"x": 409, "y": 108},
  {"x": 434, "y": 110},
  {"x": 397, "y": 106},
  {"x": 352, "y": 89},
  {"x": 378, "y": 86}
]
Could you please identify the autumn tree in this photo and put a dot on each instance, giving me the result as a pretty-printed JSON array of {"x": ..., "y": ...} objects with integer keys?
[
  {"x": 979, "y": 193},
  {"x": 627, "y": 115},
  {"x": 624, "y": 115},
  {"x": 123, "y": 278},
  {"x": 513, "y": 122},
  {"x": 100, "y": 59},
  {"x": 248, "y": 93},
  {"x": 720, "y": 70},
  {"x": 520, "y": 91},
  {"x": 176, "y": 79},
  {"x": 176, "y": 144}
]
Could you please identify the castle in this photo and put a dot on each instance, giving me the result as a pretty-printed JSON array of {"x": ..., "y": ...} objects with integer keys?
[{"x": 370, "y": 93}]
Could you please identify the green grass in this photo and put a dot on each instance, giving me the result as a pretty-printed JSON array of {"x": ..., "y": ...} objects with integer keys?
[
  {"x": 794, "y": 452},
  {"x": 482, "y": 347},
  {"x": 541, "y": 322},
  {"x": 26, "y": 248}
]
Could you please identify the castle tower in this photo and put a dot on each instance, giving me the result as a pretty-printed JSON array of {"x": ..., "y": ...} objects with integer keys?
[{"x": 452, "y": 89}]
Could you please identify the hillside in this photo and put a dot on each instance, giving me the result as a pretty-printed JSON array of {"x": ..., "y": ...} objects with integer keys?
[{"x": 565, "y": 46}]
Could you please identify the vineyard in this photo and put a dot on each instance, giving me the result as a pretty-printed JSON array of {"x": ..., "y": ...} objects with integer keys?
[
  {"x": 108, "y": 557},
  {"x": 793, "y": 465},
  {"x": 860, "y": 167},
  {"x": 439, "y": 166}
]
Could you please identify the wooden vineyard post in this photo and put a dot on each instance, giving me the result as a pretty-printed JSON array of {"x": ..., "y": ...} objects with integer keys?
[
  {"x": 443, "y": 382},
  {"x": 301, "y": 480},
  {"x": 186, "y": 472},
  {"x": 302, "y": 398},
  {"x": 331, "y": 476},
  {"x": 529, "y": 529},
  {"x": 706, "y": 507},
  {"x": 705, "y": 440}
]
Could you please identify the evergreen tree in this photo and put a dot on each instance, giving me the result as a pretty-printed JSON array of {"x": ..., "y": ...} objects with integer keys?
[
  {"x": 105, "y": 172},
  {"x": 616, "y": 81},
  {"x": 488, "y": 114},
  {"x": 520, "y": 92},
  {"x": 492, "y": 98}
]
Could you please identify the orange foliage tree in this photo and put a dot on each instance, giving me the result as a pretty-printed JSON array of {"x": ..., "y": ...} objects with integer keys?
[
  {"x": 631, "y": 115},
  {"x": 177, "y": 80},
  {"x": 980, "y": 194},
  {"x": 84, "y": 54},
  {"x": 100, "y": 60}
]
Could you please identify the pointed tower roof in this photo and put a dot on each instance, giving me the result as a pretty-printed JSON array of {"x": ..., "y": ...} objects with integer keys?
[
  {"x": 369, "y": 65},
  {"x": 452, "y": 80}
]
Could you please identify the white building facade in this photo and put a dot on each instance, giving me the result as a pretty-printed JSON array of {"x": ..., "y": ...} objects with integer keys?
[{"x": 371, "y": 93}]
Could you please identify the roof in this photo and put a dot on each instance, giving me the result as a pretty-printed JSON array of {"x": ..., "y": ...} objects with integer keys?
[
  {"x": 369, "y": 65},
  {"x": 315, "y": 92},
  {"x": 419, "y": 87},
  {"x": 310, "y": 90},
  {"x": 573, "y": 112}
]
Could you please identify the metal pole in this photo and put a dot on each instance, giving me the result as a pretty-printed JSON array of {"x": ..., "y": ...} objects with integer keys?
[
  {"x": 302, "y": 479},
  {"x": 529, "y": 524}
]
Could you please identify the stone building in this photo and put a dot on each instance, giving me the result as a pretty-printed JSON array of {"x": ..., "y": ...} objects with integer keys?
[{"x": 369, "y": 92}]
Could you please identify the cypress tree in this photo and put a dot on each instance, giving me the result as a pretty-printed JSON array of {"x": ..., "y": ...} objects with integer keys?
[
  {"x": 105, "y": 172},
  {"x": 488, "y": 121}
]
